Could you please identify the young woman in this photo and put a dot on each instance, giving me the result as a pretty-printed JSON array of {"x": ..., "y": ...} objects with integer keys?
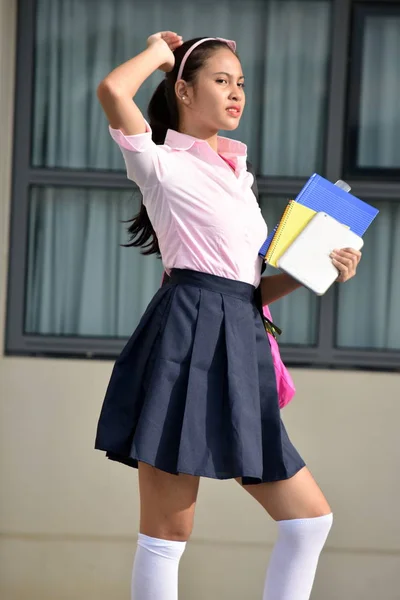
[{"x": 193, "y": 392}]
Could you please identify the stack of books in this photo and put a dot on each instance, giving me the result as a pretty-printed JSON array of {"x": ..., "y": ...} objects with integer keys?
[{"x": 323, "y": 217}]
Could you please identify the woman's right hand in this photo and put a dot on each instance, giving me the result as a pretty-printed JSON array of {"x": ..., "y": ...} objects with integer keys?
[{"x": 170, "y": 41}]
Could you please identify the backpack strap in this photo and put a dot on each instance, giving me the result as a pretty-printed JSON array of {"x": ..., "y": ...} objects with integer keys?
[{"x": 254, "y": 187}]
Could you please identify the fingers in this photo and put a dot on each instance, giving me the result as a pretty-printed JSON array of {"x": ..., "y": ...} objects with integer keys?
[
  {"x": 176, "y": 45},
  {"x": 169, "y": 34},
  {"x": 346, "y": 262},
  {"x": 172, "y": 39},
  {"x": 344, "y": 272},
  {"x": 350, "y": 252}
]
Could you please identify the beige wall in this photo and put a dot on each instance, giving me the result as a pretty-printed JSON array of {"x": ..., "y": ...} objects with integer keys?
[{"x": 68, "y": 517}]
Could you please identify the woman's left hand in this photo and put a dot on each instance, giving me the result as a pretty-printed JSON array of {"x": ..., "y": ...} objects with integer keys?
[{"x": 346, "y": 262}]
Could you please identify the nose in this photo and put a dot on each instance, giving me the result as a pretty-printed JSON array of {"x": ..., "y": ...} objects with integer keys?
[{"x": 236, "y": 95}]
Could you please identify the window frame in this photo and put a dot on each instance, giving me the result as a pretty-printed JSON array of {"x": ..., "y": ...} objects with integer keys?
[
  {"x": 361, "y": 11},
  {"x": 324, "y": 354}
]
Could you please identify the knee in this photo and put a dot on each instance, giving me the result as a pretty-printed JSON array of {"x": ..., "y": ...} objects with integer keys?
[
  {"x": 178, "y": 529},
  {"x": 177, "y": 534},
  {"x": 310, "y": 532},
  {"x": 322, "y": 523},
  {"x": 169, "y": 530},
  {"x": 159, "y": 548}
]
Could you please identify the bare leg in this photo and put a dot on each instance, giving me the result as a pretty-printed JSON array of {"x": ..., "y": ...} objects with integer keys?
[
  {"x": 296, "y": 498},
  {"x": 167, "y": 505},
  {"x": 304, "y": 520}
]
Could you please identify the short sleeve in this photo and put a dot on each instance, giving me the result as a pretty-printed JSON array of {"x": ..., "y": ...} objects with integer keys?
[{"x": 145, "y": 163}]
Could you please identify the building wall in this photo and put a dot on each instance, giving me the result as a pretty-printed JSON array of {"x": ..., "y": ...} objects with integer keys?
[{"x": 69, "y": 518}]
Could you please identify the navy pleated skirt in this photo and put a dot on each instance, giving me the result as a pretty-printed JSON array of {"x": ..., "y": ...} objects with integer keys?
[{"x": 194, "y": 389}]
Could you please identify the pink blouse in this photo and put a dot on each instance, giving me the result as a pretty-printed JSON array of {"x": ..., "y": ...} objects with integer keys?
[{"x": 205, "y": 215}]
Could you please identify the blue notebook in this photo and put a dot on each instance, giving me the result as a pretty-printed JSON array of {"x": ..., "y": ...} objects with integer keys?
[
  {"x": 264, "y": 248},
  {"x": 321, "y": 195}
]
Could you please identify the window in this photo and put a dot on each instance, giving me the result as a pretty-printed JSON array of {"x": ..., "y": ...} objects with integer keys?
[
  {"x": 74, "y": 290},
  {"x": 371, "y": 320},
  {"x": 374, "y": 119},
  {"x": 80, "y": 280},
  {"x": 75, "y": 46},
  {"x": 288, "y": 122}
]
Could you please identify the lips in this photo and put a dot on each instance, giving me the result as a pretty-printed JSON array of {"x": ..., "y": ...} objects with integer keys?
[{"x": 234, "y": 110}]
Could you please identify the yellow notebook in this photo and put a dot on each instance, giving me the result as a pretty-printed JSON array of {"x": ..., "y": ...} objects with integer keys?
[{"x": 294, "y": 219}]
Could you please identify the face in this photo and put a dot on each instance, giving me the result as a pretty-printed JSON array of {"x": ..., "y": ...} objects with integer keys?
[{"x": 216, "y": 99}]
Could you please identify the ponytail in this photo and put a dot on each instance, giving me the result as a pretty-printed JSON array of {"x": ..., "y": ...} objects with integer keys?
[
  {"x": 142, "y": 233},
  {"x": 163, "y": 110}
]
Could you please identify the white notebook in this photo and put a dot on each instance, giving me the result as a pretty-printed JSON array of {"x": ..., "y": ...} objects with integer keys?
[{"x": 307, "y": 259}]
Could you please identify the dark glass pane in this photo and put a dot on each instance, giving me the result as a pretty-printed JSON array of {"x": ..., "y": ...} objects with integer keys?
[
  {"x": 376, "y": 118},
  {"x": 80, "y": 281},
  {"x": 379, "y": 142},
  {"x": 294, "y": 94},
  {"x": 368, "y": 305}
]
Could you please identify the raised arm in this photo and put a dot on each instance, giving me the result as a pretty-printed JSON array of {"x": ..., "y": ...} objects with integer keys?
[{"x": 117, "y": 90}]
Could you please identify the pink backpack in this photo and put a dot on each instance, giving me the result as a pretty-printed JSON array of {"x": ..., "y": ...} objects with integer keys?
[{"x": 284, "y": 381}]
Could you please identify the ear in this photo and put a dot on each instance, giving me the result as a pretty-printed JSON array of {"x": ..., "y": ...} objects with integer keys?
[{"x": 181, "y": 90}]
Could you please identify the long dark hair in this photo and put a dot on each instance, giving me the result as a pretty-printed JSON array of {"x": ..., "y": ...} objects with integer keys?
[{"x": 163, "y": 115}]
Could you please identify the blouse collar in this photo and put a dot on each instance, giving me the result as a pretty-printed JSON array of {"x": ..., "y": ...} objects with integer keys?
[{"x": 182, "y": 141}]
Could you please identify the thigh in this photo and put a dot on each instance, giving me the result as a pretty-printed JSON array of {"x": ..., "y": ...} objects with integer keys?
[
  {"x": 296, "y": 498},
  {"x": 167, "y": 503}
]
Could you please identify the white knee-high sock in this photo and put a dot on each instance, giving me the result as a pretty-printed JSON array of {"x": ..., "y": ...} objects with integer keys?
[
  {"x": 294, "y": 559},
  {"x": 155, "y": 569}
]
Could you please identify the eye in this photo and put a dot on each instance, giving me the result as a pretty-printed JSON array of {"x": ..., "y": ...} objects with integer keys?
[{"x": 241, "y": 85}]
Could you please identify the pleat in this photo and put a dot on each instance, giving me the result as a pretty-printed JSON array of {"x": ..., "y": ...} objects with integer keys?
[
  {"x": 272, "y": 466},
  {"x": 157, "y": 438},
  {"x": 205, "y": 428},
  {"x": 243, "y": 386},
  {"x": 280, "y": 459},
  {"x": 123, "y": 400}
]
